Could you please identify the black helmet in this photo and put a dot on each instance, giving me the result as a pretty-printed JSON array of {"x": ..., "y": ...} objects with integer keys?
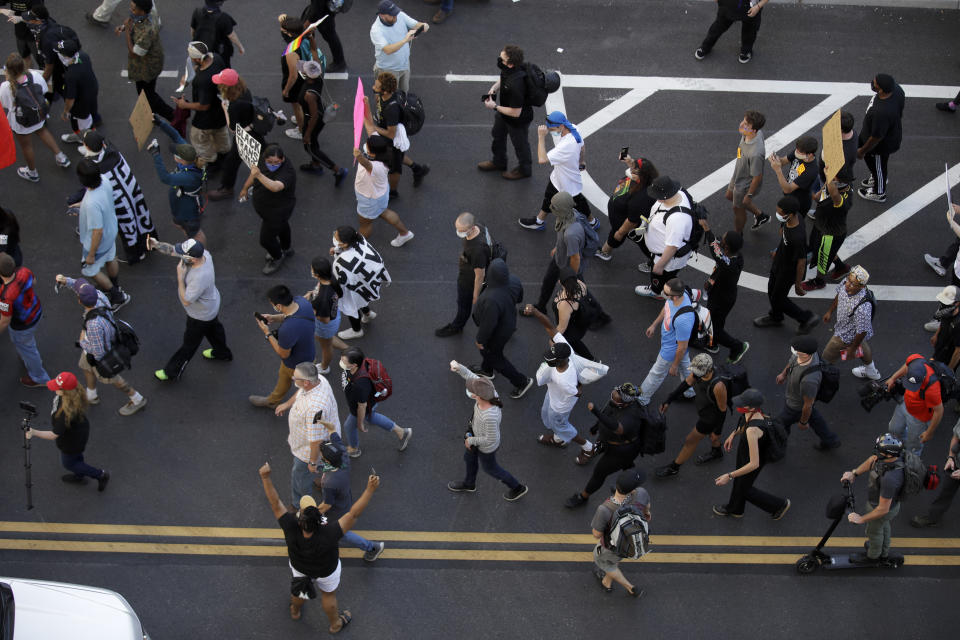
[{"x": 888, "y": 445}]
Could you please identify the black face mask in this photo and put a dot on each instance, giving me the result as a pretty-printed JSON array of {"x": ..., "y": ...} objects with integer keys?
[{"x": 501, "y": 64}]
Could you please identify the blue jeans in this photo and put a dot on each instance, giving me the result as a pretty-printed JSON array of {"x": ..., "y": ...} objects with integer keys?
[
  {"x": 488, "y": 461},
  {"x": 351, "y": 539},
  {"x": 74, "y": 462},
  {"x": 658, "y": 373},
  {"x": 446, "y": 5},
  {"x": 907, "y": 428},
  {"x": 380, "y": 420},
  {"x": 559, "y": 423},
  {"x": 301, "y": 481},
  {"x": 790, "y": 416},
  {"x": 26, "y": 345}
]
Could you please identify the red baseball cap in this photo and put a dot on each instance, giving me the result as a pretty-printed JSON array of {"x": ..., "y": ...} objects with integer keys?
[
  {"x": 64, "y": 381},
  {"x": 226, "y": 77}
]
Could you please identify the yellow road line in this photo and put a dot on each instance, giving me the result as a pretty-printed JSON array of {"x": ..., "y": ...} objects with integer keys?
[
  {"x": 428, "y": 554},
  {"x": 455, "y": 536}
]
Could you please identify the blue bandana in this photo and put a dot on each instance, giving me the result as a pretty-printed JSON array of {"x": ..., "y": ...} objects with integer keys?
[{"x": 557, "y": 118}]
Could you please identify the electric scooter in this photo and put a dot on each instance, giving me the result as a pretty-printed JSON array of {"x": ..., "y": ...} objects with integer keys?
[{"x": 836, "y": 510}]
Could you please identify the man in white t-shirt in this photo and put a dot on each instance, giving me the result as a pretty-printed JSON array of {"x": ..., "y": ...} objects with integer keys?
[
  {"x": 567, "y": 161},
  {"x": 669, "y": 229}
]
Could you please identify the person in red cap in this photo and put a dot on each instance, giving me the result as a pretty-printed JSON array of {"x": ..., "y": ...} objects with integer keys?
[
  {"x": 240, "y": 113},
  {"x": 71, "y": 430}
]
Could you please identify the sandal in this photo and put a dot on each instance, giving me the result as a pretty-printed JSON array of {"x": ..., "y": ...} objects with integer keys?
[
  {"x": 600, "y": 574},
  {"x": 345, "y": 619},
  {"x": 547, "y": 438}
]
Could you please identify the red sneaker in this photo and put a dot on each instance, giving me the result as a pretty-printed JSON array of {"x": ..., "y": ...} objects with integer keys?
[{"x": 813, "y": 284}]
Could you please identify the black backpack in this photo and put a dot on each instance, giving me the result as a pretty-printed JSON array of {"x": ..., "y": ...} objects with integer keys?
[
  {"x": 263, "y": 118},
  {"x": 654, "y": 436},
  {"x": 870, "y": 299},
  {"x": 125, "y": 345},
  {"x": 947, "y": 378},
  {"x": 697, "y": 212},
  {"x": 736, "y": 380},
  {"x": 829, "y": 380},
  {"x": 30, "y": 107},
  {"x": 777, "y": 434},
  {"x": 539, "y": 84},
  {"x": 494, "y": 247},
  {"x": 413, "y": 114}
]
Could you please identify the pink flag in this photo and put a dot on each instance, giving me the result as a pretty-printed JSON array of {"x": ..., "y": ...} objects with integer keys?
[{"x": 358, "y": 112}]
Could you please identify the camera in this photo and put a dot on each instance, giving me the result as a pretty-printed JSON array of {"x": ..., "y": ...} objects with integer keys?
[
  {"x": 875, "y": 392},
  {"x": 28, "y": 407}
]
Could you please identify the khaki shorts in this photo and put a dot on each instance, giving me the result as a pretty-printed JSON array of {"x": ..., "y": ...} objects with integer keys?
[
  {"x": 831, "y": 352},
  {"x": 740, "y": 191},
  {"x": 605, "y": 559},
  {"x": 210, "y": 142},
  {"x": 86, "y": 366}
]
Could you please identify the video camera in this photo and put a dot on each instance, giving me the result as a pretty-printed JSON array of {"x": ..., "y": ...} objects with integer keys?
[
  {"x": 875, "y": 391},
  {"x": 29, "y": 408}
]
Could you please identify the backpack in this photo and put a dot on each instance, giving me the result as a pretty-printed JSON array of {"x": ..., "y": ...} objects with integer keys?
[
  {"x": 593, "y": 242},
  {"x": 125, "y": 345},
  {"x": 628, "y": 532},
  {"x": 539, "y": 84},
  {"x": 382, "y": 383},
  {"x": 697, "y": 212},
  {"x": 736, "y": 380},
  {"x": 947, "y": 378},
  {"x": 702, "y": 332},
  {"x": 916, "y": 475},
  {"x": 200, "y": 193},
  {"x": 654, "y": 436},
  {"x": 777, "y": 434},
  {"x": 30, "y": 107},
  {"x": 263, "y": 118},
  {"x": 868, "y": 298},
  {"x": 413, "y": 114},
  {"x": 829, "y": 380},
  {"x": 495, "y": 248}
]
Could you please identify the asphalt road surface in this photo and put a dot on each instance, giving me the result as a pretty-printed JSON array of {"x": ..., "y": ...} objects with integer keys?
[{"x": 184, "y": 532}]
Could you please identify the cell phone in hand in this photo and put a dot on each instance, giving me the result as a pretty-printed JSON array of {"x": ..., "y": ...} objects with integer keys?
[
  {"x": 318, "y": 416},
  {"x": 259, "y": 316},
  {"x": 418, "y": 31},
  {"x": 373, "y": 471},
  {"x": 624, "y": 152}
]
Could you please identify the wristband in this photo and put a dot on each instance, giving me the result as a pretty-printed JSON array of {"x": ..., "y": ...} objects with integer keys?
[
  {"x": 730, "y": 475},
  {"x": 749, "y": 195}
]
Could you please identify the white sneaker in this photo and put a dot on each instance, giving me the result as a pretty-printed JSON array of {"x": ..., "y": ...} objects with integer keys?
[
  {"x": 399, "y": 241},
  {"x": 935, "y": 264},
  {"x": 70, "y": 138},
  {"x": 643, "y": 267},
  {"x": 349, "y": 334},
  {"x": 366, "y": 319},
  {"x": 646, "y": 292},
  {"x": 26, "y": 174},
  {"x": 606, "y": 257},
  {"x": 62, "y": 160},
  {"x": 294, "y": 133},
  {"x": 864, "y": 371},
  {"x": 931, "y": 326}
]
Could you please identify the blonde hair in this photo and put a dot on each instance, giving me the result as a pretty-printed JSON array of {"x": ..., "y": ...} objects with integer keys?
[
  {"x": 73, "y": 404},
  {"x": 233, "y": 92},
  {"x": 14, "y": 67}
]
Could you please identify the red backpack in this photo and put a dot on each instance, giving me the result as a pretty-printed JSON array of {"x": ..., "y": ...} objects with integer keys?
[{"x": 382, "y": 383}]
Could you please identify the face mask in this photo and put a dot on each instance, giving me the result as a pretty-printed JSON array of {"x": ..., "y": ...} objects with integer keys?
[
  {"x": 271, "y": 166},
  {"x": 781, "y": 218},
  {"x": 794, "y": 352},
  {"x": 336, "y": 245},
  {"x": 801, "y": 157},
  {"x": 186, "y": 261},
  {"x": 629, "y": 173},
  {"x": 326, "y": 467},
  {"x": 462, "y": 234},
  {"x": 555, "y": 135},
  {"x": 345, "y": 367},
  {"x": 65, "y": 60},
  {"x": 501, "y": 64},
  {"x": 745, "y": 129},
  {"x": 137, "y": 18},
  {"x": 35, "y": 28},
  {"x": 743, "y": 410}
]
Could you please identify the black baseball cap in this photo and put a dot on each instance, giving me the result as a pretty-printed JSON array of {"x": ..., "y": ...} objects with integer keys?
[{"x": 558, "y": 351}]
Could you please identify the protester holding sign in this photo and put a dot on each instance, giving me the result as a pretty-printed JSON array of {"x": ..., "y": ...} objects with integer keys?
[
  {"x": 238, "y": 102},
  {"x": 273, "y": 199}
]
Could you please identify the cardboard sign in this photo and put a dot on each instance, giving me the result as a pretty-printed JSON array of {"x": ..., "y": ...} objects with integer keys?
[
  {"x": 833, "y": 146},
  {"x": 141, "y": 120},
  {"x": 248, "y": 147}
]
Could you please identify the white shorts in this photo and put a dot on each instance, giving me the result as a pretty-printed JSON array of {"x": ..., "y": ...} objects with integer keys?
[{"x": 327, "y": 584}]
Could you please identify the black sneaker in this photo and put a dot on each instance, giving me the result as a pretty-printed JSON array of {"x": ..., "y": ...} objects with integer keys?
[
  {"x": 447, "y": 330},
  {"x": 667, "y": 470},
  {"x": 103, "y": 480},
  {"x": 721, "y": 510},
  {"x": 120, "y": 302},
  {"x": 759, "y": 221},
  {"x": 574, "y": 501},
  {"x": 373, "y": 554},
  {"x": 766, "y": 321},
  {"x": 419, "y": 173},
  {"x": 924, "y": 521},
  {"x": 71, "y": 478},
  {"x": 945, "y": 106},
  {"x": 459, "y": 487},
  {"x": 532, "y": 223},
  {"x": 744, "y": 58},
  {"x": 809, "y": 325},
  {"x": 715, "y": 453},
  {"x": 863, "y": 558},
  {"x": 518, "y": 393},
  {"x": 734, "y": 359},
  {"x": 699, "y": 54},
  {"x": 394, "y": 194},
  {"x": 477, "y": 370},
  {"x": 515, "y": 494},
  {"x": 779, "y": 513}
]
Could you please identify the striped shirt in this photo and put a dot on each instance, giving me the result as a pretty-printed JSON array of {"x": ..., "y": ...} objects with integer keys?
[
  {"x": 851, "y": 323},
  {"x": 486, "y": 422},
  {"x": 18, "y": 301},
  {"x": 304, "y": 422}
]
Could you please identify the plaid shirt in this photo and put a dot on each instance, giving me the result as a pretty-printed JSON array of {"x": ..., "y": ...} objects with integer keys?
[
  {"x": 303, "y": 429},
  {"x": 98, "y": 334},
  {"x": 849, "y": 326}
]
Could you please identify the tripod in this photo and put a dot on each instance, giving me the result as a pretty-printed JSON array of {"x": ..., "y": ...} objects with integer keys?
[{"x": 30, "y": 412}]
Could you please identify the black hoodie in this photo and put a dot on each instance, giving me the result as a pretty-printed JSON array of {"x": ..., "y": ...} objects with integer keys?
[{"x": 496, "y": 310}]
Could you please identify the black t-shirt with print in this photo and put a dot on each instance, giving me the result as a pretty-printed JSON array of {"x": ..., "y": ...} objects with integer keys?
[
  {"x": 326, "y": 301},
  {"x": 513, "y": 93},
  {"x": 389, "y": 113},
  {"x": 206, "y": 92},
  {"x": 804, "y": 175},
  {"x": 358, "y": 390},
  {"x": 832, "y": 220},
  {"x": 316, "y": 556},
  {"x": 792, "y": 247},
  {"x": 80, "y": 84},
  {"x": 475, "y": 255}
]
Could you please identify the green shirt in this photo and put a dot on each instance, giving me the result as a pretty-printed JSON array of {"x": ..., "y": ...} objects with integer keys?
[{"x": 146, "y": 41}]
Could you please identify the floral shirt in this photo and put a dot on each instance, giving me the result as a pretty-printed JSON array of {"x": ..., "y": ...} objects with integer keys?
[{"x": 850, "y": 323}]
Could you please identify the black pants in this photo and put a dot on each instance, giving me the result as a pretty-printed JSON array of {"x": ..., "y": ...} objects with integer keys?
[
  {"x": 494, "y": 360},
  {"x": 549, "y": 283},
  {"x": 719, "y": 311},
  {"x": 157, "y": 104},
  {"x": 778, "y": 292},
  {"x": 877, "y": 164},
  {"x": 275, "y": 237},
  {"x": 313, "y": 145},
  {"x": 579, "y": 201},
  {"x": 950, "y": 255},
  {"x": 193, "y": 335},
  {"x": 743, "y": 492},
  {"x": 229, "y": 166},
  {"x": 574, "y": 336},
  {"x": 657, "y": 282},
  {"x": 464, "y": 305},
  {"x": 616, "y": 457},
  {"x": 518, "y": 137},
  {"x": 355, "y": 323},
  {"x": 488, "y": 461},
  {"x": 724, "y": 20},
  {"x": 948, "y": 489},
  {"x": 826, "y": 246},
  {"x": 328, "y": 31}
]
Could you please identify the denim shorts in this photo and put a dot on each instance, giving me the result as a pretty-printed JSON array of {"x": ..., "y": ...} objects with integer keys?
[
  {"x": 329, "y": 329},
  {"x": 371, "y": 208},
  {"x": 91, "y": 270}
]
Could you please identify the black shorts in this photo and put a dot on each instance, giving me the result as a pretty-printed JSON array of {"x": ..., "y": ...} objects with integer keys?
[
  {"x": 706, "y": 428},
  {"x": 190, "y": 227},
  {"x": 579, "y": 201},
  {"x": 395, "y": 161},
  {"x": 295, "y": 90},
  {"x": 27, "y": 48}
]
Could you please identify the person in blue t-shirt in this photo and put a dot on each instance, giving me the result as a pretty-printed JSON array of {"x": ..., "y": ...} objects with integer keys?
[
  {"x": 292, "y": 340},
  {"x": 675, "y": 330}
]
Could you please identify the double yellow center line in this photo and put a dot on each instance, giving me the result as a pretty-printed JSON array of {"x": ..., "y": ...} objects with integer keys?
[{"x": 533, "y": 547}]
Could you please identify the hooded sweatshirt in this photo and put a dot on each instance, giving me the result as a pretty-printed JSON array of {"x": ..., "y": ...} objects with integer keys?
[
  {"x": 496, "y": 310},
  {"x": 571, "y": 238}
]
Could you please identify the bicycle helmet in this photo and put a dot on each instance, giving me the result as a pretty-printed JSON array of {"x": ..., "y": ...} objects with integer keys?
[{"x": 888, "y": 445}]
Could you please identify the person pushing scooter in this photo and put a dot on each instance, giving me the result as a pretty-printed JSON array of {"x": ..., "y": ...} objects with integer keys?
[{"x": 885, "y": 486}]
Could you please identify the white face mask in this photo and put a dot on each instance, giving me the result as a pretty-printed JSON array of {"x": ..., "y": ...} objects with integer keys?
[
  {"x": 781, "y": 218},
  {"x": 801, "y": 157},
  {"x": 556, "y": 136},
  {"x": 629, "y": 173},
  {"x": 462, "y": 234},
  {"x": 794, "y": 352},
  {"x": 65, "y": 60},
  {"x": 344, "y": 366}
]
